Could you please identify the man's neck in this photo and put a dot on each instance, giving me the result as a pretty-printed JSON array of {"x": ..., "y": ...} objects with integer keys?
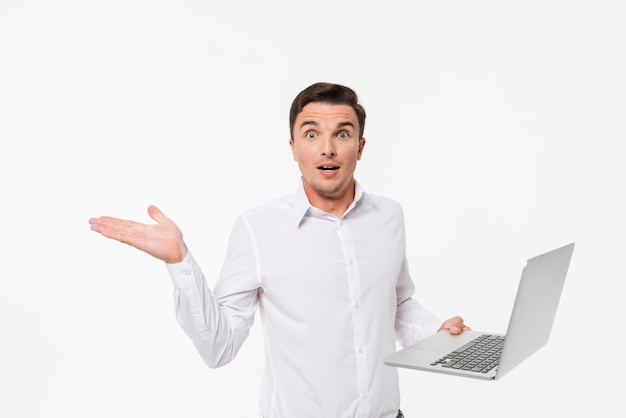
[{"x": 334, "y": 205}]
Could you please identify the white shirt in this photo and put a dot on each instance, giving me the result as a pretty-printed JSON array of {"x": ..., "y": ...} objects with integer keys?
[{"x": 334, "y": 294}]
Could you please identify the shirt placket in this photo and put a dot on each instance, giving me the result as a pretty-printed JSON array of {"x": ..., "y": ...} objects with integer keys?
[{"x": 358, "y": 323}]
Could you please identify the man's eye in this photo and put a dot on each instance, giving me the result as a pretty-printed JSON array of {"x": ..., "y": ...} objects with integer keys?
[
  {"x": 310, "y": 135},
  {"x": 343, "y": 135}
]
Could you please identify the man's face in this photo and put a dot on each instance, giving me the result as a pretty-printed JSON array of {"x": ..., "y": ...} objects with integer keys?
[{"x": 326, "y": 146}]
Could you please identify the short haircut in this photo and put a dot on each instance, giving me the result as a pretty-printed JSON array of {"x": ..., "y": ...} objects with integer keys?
[{"x": 327, "y": 93}]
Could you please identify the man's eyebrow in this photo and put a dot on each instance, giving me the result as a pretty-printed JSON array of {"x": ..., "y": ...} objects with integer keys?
[
  {"x": 314, "y": 123},
  {"x": 308, "y": 122}
]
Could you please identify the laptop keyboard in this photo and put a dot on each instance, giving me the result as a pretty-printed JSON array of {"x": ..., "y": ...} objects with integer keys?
[{"x": 479, "y": 355}]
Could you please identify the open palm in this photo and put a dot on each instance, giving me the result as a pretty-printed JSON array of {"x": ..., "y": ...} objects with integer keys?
[{"x": 162, "y": 240}]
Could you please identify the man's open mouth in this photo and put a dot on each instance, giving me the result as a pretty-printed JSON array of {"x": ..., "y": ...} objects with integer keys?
[{"x": 328, "y": 167}]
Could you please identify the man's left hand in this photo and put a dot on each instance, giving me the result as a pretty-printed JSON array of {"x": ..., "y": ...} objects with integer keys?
[{"x": 455, "y": 325}]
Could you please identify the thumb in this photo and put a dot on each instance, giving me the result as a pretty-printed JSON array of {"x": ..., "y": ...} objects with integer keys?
[{"x": 156, "y": 214}]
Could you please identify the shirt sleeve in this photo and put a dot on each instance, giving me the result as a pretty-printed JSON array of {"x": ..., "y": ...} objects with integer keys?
[
  {"x": 413, "y": 321},
  {"x": 218, "y": 322}
]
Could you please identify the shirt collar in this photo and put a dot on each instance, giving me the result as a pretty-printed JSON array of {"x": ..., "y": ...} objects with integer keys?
[{"x": 302, "y": 206}]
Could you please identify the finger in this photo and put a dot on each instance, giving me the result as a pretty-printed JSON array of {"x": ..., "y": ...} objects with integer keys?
[
  {"x": 456, "y": 321},
  {"x": 156, "y": 214},
  {"x": 105, "y": 223},
  {"x": 125, "y": 231},
  {"x": 98, "y": 224},
  {"x": 455, "y": 330},
  {"x": 113, "y": 231}
]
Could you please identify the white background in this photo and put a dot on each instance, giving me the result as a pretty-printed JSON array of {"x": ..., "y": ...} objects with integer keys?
[{"x": 499, "y": 126}]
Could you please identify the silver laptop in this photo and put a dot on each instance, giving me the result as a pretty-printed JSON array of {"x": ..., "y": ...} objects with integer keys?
[{"x": 488, "y": 355}]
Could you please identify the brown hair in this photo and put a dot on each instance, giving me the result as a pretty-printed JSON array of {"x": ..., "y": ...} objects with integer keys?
[{"x": 327, "y": 93}]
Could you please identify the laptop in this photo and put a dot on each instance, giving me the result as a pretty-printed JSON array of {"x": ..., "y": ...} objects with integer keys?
[{"x": 489, "y": 355}]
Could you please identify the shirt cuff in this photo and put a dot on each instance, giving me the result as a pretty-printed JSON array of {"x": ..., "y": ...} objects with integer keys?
[{"x": 183, "y": 273}]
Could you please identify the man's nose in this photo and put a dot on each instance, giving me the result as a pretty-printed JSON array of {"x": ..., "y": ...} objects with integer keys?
[{"x": 328, "y": 147}]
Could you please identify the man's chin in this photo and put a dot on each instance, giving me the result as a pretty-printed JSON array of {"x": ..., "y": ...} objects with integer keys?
[{"x": 330, "y": 191}]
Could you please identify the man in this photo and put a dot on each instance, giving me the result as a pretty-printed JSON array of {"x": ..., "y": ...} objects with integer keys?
[{"x": 326, "y": 266}]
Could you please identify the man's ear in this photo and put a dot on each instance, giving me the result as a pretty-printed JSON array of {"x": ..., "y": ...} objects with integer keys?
[
  {"x": 361, "y": 146},
  {"x": 293, "y": 149}
]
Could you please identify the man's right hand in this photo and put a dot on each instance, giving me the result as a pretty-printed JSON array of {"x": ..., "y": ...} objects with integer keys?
[{"x": 162, "y": 240}]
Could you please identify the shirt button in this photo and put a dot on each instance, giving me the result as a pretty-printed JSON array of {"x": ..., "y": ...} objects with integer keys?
[
  {"x": 356, "y": 305},
  {"x": 187, "y": 272},
  {"x": 365, "y": 395},
  {"x": 361, "y": 349}
]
